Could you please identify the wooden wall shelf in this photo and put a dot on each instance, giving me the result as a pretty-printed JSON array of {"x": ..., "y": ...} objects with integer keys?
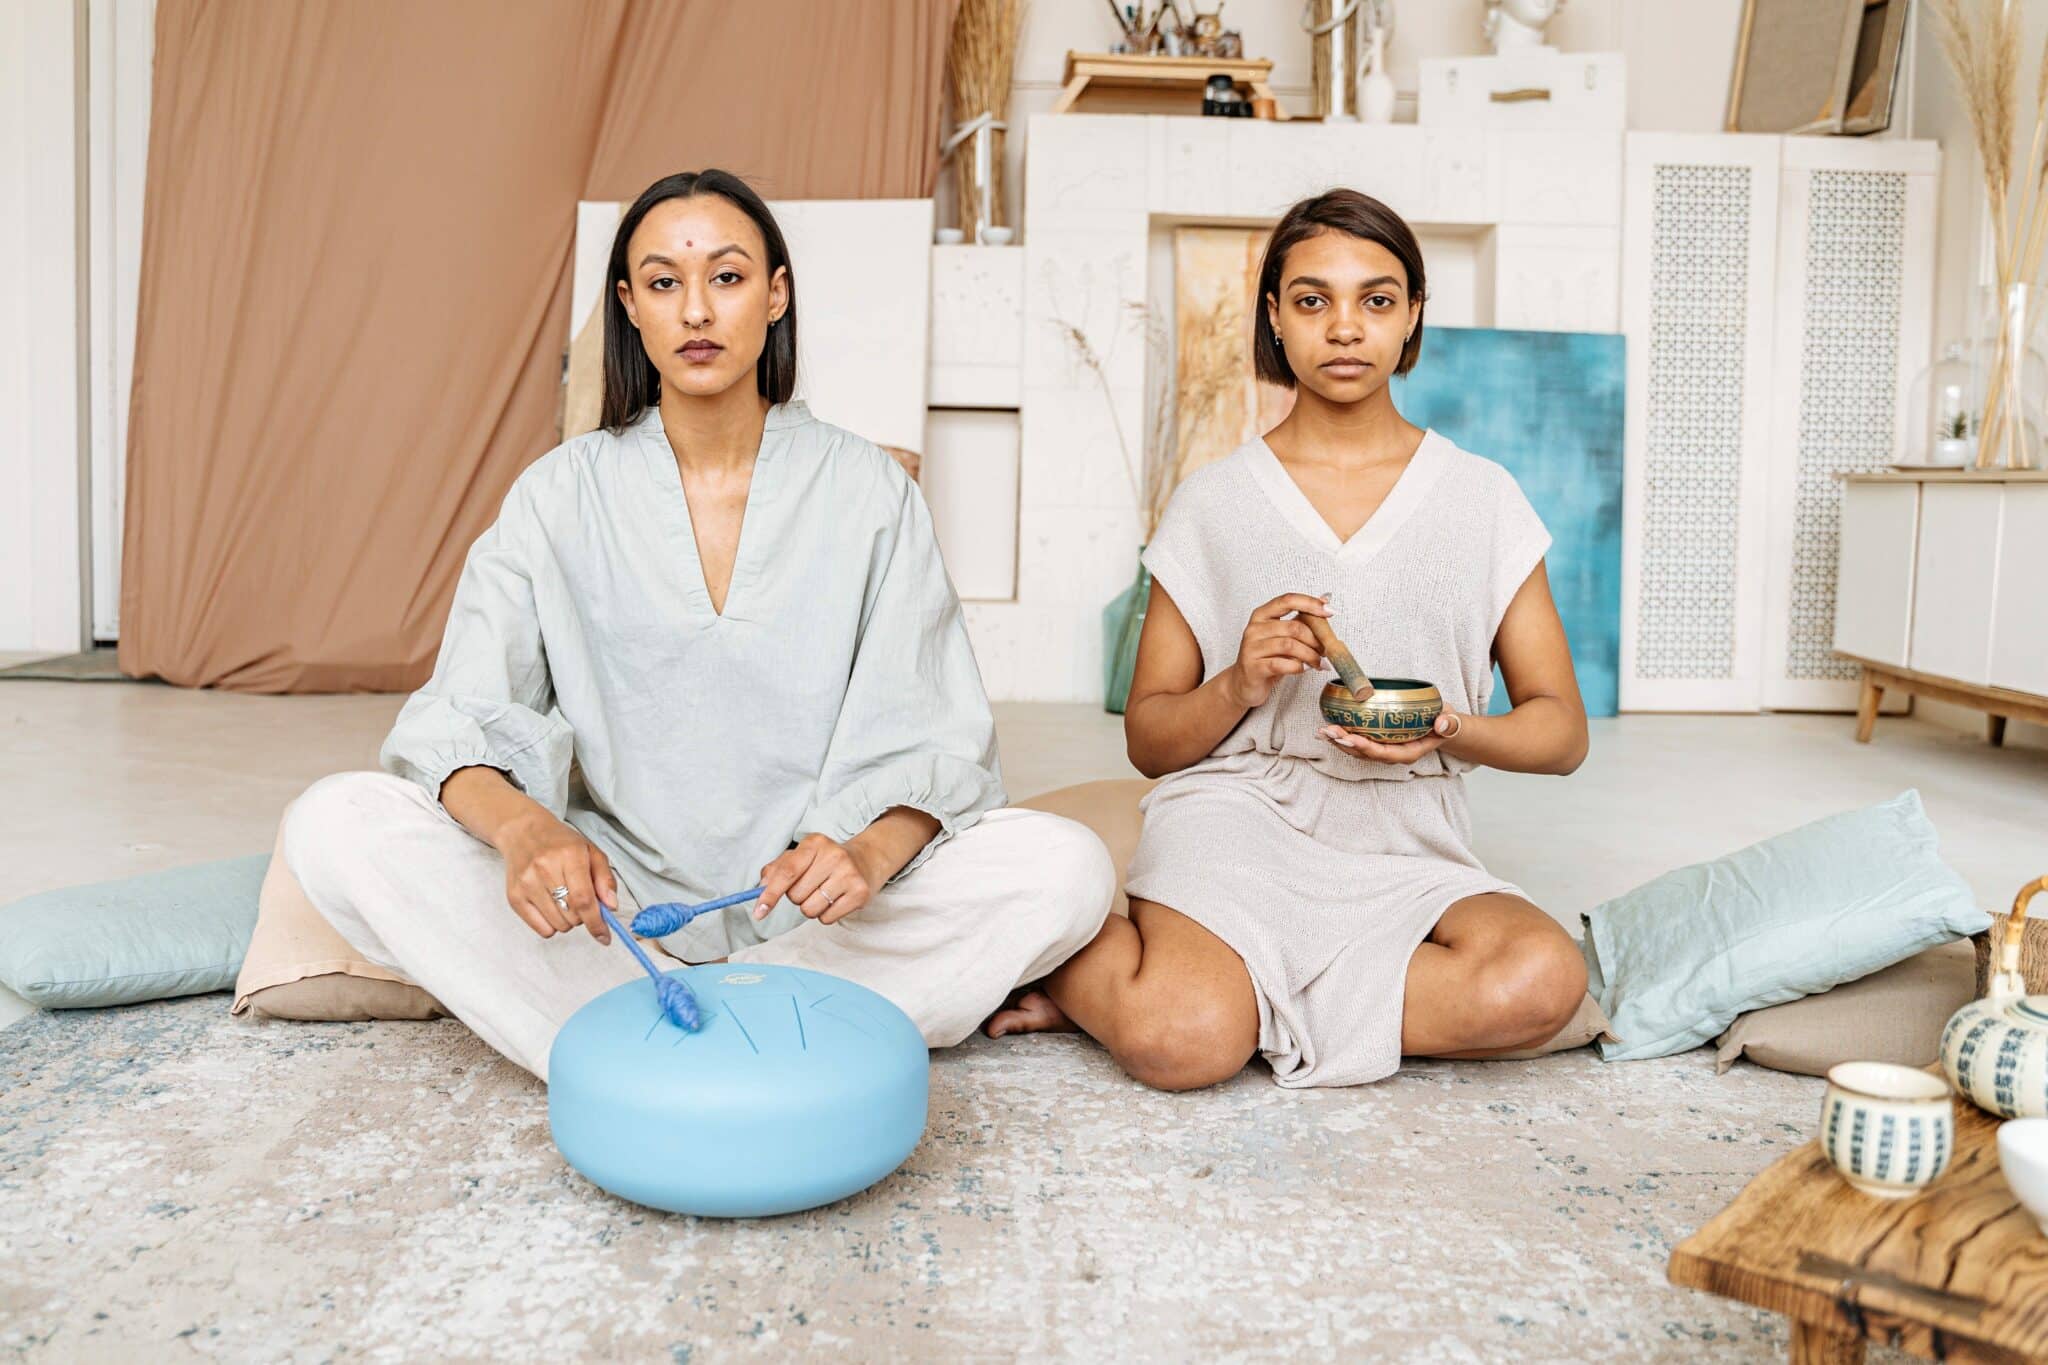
[{"x": 1163, "y": 83}]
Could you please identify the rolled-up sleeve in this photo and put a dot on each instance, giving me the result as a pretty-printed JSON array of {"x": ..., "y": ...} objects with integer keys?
[
  {"x": 490, "y": 702},
  {"x": 915, "y": 727}
]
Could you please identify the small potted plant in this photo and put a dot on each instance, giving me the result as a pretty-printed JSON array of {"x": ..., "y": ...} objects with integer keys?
[{"x": 1953, "y": 447}]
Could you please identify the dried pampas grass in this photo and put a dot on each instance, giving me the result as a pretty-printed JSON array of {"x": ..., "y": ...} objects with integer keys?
[
  {"x": 979, "y": 64},
  {"x": 1981, "y": 40}
]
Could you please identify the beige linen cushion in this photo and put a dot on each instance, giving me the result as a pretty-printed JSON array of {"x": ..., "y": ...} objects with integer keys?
[
  {"x": 1893, "y": 1015},
  {"x": 1589, "y": 1025},
  {"x": 297, "y": 967},
  {"x": 1110, "y": 808}
]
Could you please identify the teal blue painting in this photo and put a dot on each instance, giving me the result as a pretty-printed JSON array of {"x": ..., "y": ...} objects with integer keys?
[{"x": 1549, "y": 406}]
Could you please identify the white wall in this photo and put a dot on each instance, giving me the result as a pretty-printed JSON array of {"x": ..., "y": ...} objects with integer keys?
[{"x": 42, "y": 374}]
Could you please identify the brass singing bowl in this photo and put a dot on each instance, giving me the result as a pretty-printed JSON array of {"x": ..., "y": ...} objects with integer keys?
[{"x": 1399, "y": 709}]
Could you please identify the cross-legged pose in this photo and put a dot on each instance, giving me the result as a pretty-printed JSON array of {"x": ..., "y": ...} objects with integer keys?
[
  {"x": 707, "y": 646},
  {"x": 1300, "y": 892}
]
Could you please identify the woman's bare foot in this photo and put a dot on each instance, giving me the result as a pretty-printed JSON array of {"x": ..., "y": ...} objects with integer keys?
[{"x": 1031, "y": 1012}]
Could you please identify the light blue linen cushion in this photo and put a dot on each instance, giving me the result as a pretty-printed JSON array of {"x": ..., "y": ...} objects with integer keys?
[
  {"x": 178, "y": 932},
  {"x": 1674, "y": 961}
]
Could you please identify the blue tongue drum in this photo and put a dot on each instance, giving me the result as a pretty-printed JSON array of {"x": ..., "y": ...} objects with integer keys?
[{"x": 795, "y": 1089}]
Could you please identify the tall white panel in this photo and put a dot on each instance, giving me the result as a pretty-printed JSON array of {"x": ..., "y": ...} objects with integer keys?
[
  {"x": 122, "y": 40},
  {"x": 1698, "y": 282},
  {"x": 42, "y": 587},
  {"x": 1855, "y": 300}
]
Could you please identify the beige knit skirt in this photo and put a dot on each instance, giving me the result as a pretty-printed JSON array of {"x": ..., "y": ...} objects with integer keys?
[{"x": 1324, "y": 887}]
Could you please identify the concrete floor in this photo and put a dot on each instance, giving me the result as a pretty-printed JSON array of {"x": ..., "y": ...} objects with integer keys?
[{"x": 105, "y": 780}]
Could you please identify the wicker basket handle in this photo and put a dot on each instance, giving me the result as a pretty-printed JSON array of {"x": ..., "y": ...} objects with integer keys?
[{"x": 2015, "y": 926}]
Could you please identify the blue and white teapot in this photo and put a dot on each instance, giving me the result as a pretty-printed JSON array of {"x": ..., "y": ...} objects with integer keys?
[{"x": 1996, "y": 1049}]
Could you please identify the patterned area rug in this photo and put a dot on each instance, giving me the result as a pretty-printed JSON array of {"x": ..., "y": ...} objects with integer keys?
[{"x": 174, "y": 1178}]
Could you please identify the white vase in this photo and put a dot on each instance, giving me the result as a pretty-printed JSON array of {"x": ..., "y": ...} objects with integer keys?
[{"x": 1376, "y": 89}]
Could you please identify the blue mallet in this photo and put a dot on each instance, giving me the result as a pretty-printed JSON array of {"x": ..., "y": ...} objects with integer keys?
[
  {"x": 658, "y": 921},
  {"x": 677, "y": 1001}
]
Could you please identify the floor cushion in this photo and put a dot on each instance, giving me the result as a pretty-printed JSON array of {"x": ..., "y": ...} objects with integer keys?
[
  {"x": 1110, "y": 808},
  {"x": 176, "y": 932},
  {"x": 1677, "y": 960},
  {"x": 1589, "y": 1025},
  {"x": 298, "y": 967},
  {"x": 1893, "y": 1015}
]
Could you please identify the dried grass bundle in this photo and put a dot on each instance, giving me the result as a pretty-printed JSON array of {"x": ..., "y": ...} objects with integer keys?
[
  {"x": 1980, "y": 38},
  {"x": 979, "y": 64}
]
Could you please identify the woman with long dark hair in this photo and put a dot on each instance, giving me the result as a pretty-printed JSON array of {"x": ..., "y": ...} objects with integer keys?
[
  {"x": 710, "y": 644},
  {"x": 1300, "y": 892}
]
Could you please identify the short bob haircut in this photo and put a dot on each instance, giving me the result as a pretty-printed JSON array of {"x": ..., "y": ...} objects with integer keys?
[
  {"x": 1356, "y": 215},
  {"x": 631, "y": 382}
]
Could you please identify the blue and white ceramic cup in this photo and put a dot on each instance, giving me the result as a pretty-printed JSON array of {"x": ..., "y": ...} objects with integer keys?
[{"x": 1890, "y": 1130}]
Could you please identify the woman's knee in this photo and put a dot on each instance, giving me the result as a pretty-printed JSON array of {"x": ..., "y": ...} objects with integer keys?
[
  {"x": 333, "y": 818},
  {"x": 1532, "y": 987},
  {"x": 1186, "y": 1045}
]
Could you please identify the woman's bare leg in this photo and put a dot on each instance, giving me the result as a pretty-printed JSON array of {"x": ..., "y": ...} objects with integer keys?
[
  {"x": 1172, "y": 1002},
  {"x": 1495, "y": 975}
]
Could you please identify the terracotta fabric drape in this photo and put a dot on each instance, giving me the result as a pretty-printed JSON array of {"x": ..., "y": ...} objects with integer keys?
[{"x": 355, "y": 279}]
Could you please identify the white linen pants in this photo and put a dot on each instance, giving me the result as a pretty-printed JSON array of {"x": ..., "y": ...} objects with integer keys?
[{"x": 999, "y": 904}]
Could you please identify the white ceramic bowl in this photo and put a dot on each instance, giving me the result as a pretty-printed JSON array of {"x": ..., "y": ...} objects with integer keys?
[
  {"x": 949, "y": 236},
  {"x": 999, "y": 236},
  {"x": 1890, "y": 1130},
  {"x": 2023, "y": 1156}
]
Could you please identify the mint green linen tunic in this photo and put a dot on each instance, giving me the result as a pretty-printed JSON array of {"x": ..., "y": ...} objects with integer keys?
[{"x": 583, "y": 658}]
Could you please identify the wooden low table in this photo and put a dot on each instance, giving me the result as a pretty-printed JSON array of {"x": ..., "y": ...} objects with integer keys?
[{"x": 1957, "y": 1272}]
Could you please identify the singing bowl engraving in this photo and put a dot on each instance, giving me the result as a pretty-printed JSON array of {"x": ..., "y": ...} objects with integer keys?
[{"x": 1399, "y": 709}]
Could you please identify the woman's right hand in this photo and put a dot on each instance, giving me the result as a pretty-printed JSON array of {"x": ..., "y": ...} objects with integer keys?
[
  {"x": 542, "y": 852},
  {"x": 1273, "y": 648}
]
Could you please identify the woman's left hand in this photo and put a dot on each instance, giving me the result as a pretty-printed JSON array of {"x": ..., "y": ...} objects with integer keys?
[
  {"x": 1448, "y": 726},
  {"x": 825, "y": 879}
]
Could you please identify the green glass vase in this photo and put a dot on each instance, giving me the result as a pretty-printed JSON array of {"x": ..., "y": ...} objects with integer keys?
[{"x": 1123, "y": 621}]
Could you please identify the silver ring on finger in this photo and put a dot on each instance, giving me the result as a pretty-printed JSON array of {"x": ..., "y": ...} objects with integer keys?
[{"x": 560, "y": 896}]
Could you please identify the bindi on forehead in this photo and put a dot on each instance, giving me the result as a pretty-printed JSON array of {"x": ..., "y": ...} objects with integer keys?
[{"x": 689, "y": 244}]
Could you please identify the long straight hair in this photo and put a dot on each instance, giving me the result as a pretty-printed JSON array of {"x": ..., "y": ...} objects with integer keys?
[{"x": 631, "y": 382}]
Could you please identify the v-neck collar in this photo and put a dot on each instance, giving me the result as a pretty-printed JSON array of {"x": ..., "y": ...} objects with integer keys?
[
  {"x": 1410, "y": 491},
  {"x": 762, "y": 491}
]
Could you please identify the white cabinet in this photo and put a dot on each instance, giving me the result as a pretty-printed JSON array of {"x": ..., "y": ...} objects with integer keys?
[
  {"x": 1955, "y": 569},
  {"x": 2019, "y": 615},
  {"x": 1955, "y": 566},
  {"x": 1777, "y": 296},
  {"x": 1874, "y": 602}
]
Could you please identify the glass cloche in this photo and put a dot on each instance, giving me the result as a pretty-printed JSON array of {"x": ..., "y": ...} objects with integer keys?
[{"x": 1945, "y": 410}]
